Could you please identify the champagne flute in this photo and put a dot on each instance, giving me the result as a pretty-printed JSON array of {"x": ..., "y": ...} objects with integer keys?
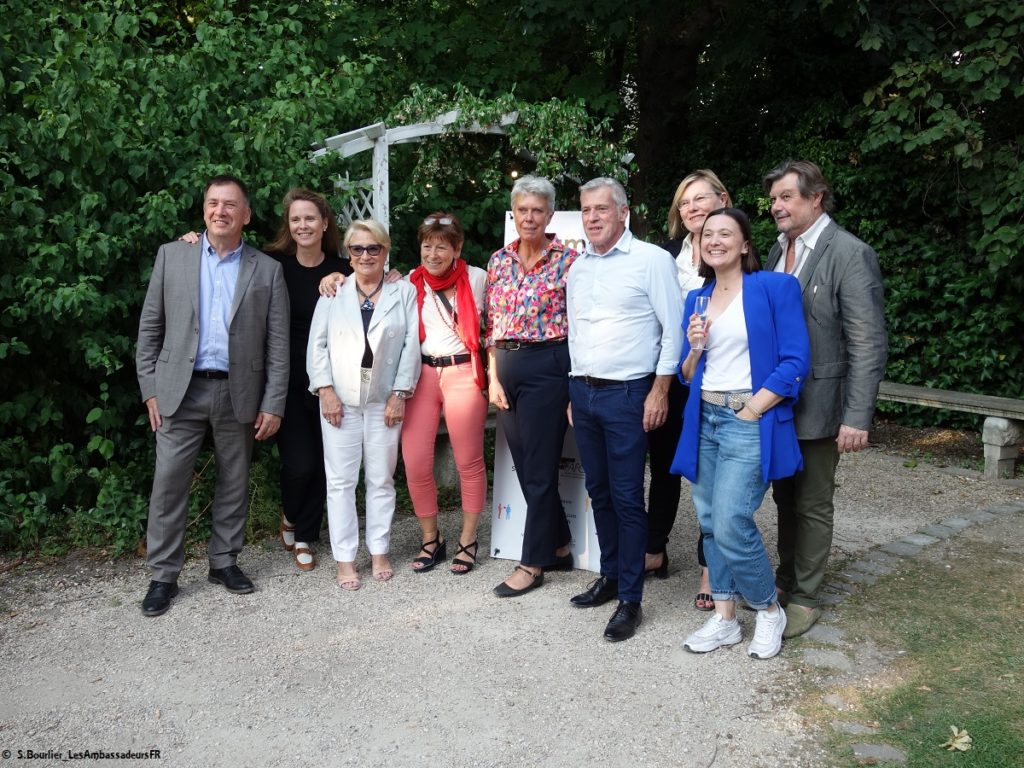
[{"x": 700, "y": 306}]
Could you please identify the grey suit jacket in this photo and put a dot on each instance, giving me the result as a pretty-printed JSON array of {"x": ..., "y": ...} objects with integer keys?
[
  {"x": 845, "y": 313},
  {"x": 257, "y": 332}
]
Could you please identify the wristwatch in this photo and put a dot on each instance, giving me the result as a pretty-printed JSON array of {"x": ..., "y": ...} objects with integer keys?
[{"x": 401, "y": 394}]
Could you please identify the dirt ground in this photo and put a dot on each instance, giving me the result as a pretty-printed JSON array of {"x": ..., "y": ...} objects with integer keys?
[{"x": 429, "y": 668}]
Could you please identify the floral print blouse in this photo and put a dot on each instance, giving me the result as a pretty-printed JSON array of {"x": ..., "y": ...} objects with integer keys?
[{"x": 527, "y": 306}]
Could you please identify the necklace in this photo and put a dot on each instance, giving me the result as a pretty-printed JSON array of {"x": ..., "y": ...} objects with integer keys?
[
  {"x": 368, "y": 298},
  {"x": 450, "y": 320}
]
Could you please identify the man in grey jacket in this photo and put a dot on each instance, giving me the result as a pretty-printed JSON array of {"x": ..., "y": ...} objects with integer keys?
[
  {"x": 212, "y": 352},
  {"x": 845, "y": 312}
]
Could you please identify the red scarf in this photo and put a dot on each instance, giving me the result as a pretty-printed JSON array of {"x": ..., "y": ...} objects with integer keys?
[{"x": 468, "y": 318}]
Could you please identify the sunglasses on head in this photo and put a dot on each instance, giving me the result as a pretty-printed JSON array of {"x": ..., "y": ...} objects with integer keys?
[{"x": 444, "y": 221}]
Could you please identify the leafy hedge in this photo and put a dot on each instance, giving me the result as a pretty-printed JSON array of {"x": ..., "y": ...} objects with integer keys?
[
  {"x": 113, "y": 117},
  {"x": 113, "y": 112}
]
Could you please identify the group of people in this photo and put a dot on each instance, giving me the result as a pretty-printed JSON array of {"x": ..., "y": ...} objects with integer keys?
[{"x": 726, "y": 374}]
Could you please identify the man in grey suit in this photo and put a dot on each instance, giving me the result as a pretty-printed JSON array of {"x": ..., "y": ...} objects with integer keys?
[
  {"x": 212, "y": 352},
  {"x": 845, "y": 313}
]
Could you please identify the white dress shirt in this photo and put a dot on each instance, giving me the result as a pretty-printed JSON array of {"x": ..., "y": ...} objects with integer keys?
[
  {"x": 804, "y": 245},
  {"x": 625, "y": 312},
  {"x": 689, "y": 280}
]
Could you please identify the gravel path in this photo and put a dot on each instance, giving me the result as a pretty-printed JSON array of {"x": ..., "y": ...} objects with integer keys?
[{"x": 427, "y": 669}]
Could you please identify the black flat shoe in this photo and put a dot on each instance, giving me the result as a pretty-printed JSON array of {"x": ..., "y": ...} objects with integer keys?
[
  {"x": 232, "y": 579},
  {"x": 504, "y": 590},
  {"x": 624, "y": 622},
  {"x": 431, "y": 558},
  {"x": 661, "y": 571},
  {"x": 599, "y": 592},
  {"x": 467, "y": 565},
  {"x": 158, "y": 598},
  {"x": 562, "y": 563}
]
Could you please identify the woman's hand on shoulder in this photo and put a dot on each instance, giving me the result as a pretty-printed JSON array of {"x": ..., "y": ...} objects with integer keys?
[
  {"x": 392, "y": 276},
  {"x": 190, "y": 237},
  {"x": 330, "y": 284}
]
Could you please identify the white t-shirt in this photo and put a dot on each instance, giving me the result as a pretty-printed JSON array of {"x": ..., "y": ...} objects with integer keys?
[
  {"x": 728, "y": 353},
  {"x": 441, "y": 339}
]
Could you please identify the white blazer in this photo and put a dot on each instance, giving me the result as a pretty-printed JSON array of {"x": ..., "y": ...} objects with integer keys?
[{"x": 336, "y": 344}]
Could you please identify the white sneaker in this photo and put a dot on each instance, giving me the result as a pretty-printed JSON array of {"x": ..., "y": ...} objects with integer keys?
[
  {"x": 716, "y": 633},
  {"x": 767, "y": 640}
]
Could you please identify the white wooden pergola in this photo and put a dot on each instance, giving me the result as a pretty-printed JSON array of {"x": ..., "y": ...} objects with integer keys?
[{"x": 369, "y": 198}]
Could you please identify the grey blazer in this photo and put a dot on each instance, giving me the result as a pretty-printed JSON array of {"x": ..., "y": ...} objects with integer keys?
[
  {"x": 257, "y": 332},
  {"x": 845, "y": 313},
  {"x": 336, "y": 343}
]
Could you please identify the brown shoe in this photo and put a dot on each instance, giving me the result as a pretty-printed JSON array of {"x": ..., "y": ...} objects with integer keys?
[
  {"x": 287, "y": 534},
  {"x": 305, "y": 560},
  {"x": 799, "y": 619}
]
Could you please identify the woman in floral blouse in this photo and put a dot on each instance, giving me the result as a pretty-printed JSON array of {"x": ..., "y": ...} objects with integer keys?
[{"x": 526, "y": 330}]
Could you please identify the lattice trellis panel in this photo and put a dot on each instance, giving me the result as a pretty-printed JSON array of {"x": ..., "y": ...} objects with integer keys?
[{"x": 360, "y": 200}]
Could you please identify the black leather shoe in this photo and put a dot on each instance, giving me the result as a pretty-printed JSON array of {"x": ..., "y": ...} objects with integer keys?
[
  {"x": 233, "y": 580},
  {"x": 624, "y": 622},
  {"x": 599, "y": 592},
  {"x": 504, "y": 590},
  {"x": 564, "y": 562},
  {"x": 158, "y": 597}
]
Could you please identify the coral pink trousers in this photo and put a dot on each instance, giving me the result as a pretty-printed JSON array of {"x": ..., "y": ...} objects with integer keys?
[{"x": 453, "y": 391}]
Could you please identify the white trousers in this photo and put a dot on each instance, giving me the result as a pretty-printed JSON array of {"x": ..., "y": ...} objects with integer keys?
[{"x": 362, "y": 434}]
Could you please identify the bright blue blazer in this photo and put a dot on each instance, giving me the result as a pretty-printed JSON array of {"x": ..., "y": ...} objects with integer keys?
[{"x": 780, "y": 357}]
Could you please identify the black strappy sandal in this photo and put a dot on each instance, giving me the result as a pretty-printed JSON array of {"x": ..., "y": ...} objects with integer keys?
[
  {"x": 467, "y": 565},
  {"x": 431, "y": 558}
]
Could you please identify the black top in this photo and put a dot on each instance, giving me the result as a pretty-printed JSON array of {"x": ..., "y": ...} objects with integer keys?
[
  {"x": 367, "y": 314},
  {"x": 673, "y": 246},
  {"x": 303, "y": 293}
]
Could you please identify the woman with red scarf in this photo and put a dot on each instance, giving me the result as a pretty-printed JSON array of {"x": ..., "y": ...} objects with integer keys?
[{"x": 450, "y": 296}]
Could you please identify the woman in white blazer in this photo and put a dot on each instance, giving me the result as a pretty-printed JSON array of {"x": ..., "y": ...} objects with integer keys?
[{"x": 363, "y": 362}]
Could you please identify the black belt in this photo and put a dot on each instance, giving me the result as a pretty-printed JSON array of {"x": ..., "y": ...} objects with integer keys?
[
  {"x": 209, "y": 374},
  {"x": 593, "y": 381},
  {"x": 447, "y": 360},
  {"x": 511, "y": 345}
]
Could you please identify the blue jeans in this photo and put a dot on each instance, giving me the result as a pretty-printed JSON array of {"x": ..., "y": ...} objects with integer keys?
[
  {"x": 609, "y": 424},
  {"x": 728, "y": 491}
]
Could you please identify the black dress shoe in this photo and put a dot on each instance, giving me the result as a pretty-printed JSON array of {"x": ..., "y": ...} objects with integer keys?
[
  {"x": 158, "y": 597},
  {"x": 504, "y": 590},
  {"x": 562, "y": 563},
  {"x": 624, "y": 622},
  {"x": 600, "y": 591},
  {"x": 233, "y": 579}
]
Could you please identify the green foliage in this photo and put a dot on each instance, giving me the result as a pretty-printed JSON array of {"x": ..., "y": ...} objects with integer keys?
[
  {"x": 947, "y": 119},
  {"x": 113, "y": 116}
]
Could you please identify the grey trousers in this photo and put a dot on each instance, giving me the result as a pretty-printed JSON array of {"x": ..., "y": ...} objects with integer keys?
[
  {"x": 806, "y": 515},
  {"x": 207, "y": 403}
]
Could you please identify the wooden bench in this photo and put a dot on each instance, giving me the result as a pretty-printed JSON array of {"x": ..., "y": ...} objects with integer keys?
[{"x": 1003, "y": 431}]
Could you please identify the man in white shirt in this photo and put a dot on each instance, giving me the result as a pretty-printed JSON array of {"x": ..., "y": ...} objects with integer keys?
[
  {"x": 625, "y": 337},
  {"x": 845, "y": 312}
]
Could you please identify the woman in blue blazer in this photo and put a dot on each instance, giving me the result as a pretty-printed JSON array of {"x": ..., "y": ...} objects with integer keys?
[{"x": 744, "y": 367}]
